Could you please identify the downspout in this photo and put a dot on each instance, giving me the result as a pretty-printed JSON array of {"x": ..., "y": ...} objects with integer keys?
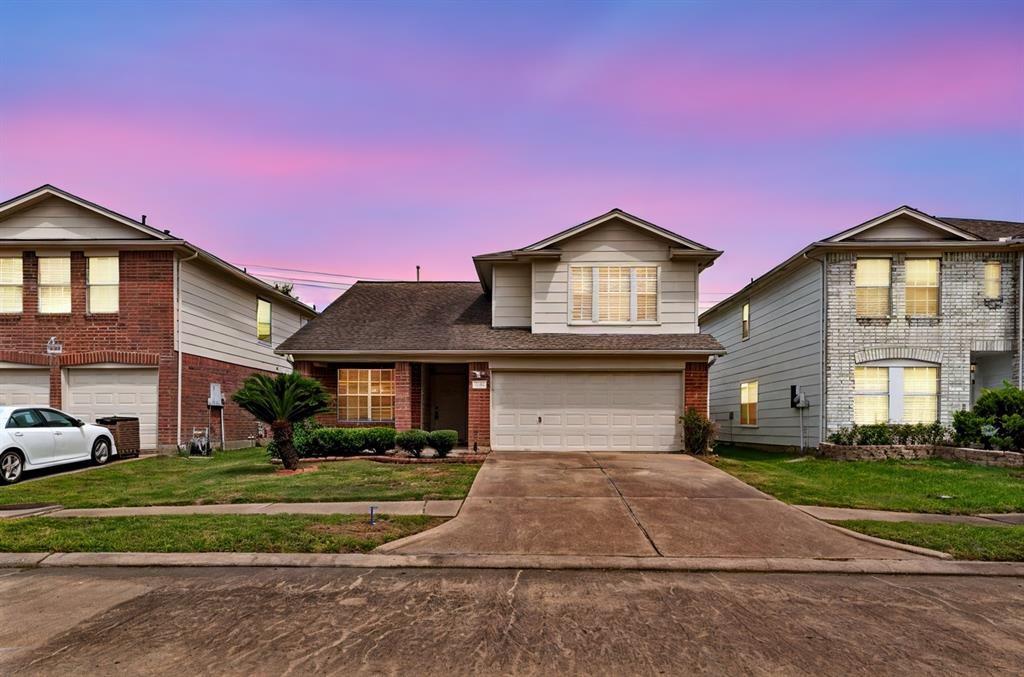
[
  {"x": 177, "y": 333},
  {"x": 823, "y": 356}
]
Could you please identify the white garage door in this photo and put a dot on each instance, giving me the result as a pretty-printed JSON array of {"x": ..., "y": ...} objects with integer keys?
[
  {"x": 591, "y": 411},
  {"x": 92, "y": 392},
  {"x": 23, "y": 387}
]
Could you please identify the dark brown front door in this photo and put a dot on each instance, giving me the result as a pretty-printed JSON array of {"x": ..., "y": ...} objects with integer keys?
[{"x": 447, "y": 406}]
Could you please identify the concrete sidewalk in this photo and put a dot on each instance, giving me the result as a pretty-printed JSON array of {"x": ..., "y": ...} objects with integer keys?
[
  {"x": 430, "y": 508},
  {"x": 842, "y": 514}
]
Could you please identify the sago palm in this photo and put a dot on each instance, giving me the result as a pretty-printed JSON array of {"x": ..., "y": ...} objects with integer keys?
[{"x": 282, "y": 401}]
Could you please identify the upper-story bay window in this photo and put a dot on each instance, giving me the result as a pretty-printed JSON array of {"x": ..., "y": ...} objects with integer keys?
[{"x": 613, "y": 294}]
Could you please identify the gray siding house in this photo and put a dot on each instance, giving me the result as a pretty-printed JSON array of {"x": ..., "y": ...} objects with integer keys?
[{"x": 904, "y": 318}]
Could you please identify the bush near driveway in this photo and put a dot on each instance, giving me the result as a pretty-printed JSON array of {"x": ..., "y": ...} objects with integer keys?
[
  {"x": 911, "y": 486},
  {"x": 412, "y": 441},
  {"x": 208, "y": 533},
  {"x": 442, "y": 441},
  {"x": 242, "y": 476}
]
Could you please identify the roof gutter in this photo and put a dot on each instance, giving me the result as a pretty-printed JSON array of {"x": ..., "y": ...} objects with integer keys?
[{"x": 477, "y": 353}]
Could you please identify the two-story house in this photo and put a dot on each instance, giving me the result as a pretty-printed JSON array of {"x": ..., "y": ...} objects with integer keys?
[
  {"x": 101, "y": 314},
  {"x": 902, "y": 319},
  {"x": 586, "y": 340}
]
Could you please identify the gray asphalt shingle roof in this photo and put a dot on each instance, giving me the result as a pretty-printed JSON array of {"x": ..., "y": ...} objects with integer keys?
[
  {"x": 450, "y": 316},
  {"x": 985, "y": 228}
]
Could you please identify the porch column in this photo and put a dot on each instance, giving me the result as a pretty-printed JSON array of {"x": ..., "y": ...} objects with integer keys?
[
  {"x": 479, "y": 423},
  {"x": 408, "y": 396},
  {"x": 695, "y": 387}
]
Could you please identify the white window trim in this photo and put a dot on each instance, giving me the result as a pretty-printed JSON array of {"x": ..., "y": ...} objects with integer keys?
[
  {"x": 595, "y": 296},
  {"x": 268, "y": 341},
  {"x": 70, "y": 285},
  {"x": 896, "y": 394},
  {"x": 745, "y": 321},
  {"x": 89, "y": 284},
  {"x": 757, "y": 403},
  {"x": 937, "y": 287},
  {"x": 21, "y": 287},
  {"x": 984, "y": 279},
  {"x": 856, "y": 310}
]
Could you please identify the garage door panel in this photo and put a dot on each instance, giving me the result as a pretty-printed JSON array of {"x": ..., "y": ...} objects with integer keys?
[
  {"x": 24, "y": 387},
  {"x": 587, "y": 410},
  {"x": 95, "y": 392}
]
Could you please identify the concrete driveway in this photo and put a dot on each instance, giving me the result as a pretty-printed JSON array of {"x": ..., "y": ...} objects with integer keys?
[{"x": 641, "y": 505}]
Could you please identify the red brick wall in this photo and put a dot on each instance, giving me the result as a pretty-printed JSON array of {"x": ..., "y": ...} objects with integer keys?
[
  {"x": 197, "y": 373},
  {"x": 408, "y": 395},
  {"x": 408, "y": 392},
  {"x": 695, "y": 387},
  {"x": 141, "y": 332},
  {"x": 480, "y": 408}
]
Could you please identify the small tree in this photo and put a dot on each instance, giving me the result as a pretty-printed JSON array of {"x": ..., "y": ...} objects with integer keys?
[{"x": 281, "y": 402}]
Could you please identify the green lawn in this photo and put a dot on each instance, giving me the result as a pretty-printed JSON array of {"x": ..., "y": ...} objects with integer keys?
[
  {"x": 243, "y": 476},
  {"x": 912, "y": 486},
  {"x": 963, "y": 541},
  {"x": 208, "y": 533}
]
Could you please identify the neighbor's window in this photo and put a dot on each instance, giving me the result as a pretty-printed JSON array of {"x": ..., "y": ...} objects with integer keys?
[
  {"x": 614, "y": 294},
  {"x": 870, "y": 395},
  {"x": 920, "y": 394},
  {"x": 366, "y": 394},
  {"x": 748, "y": 403},
  {"x": 103, "y": 277},
  {"x": 922, "y": 291},
  {"x": 745, "y": 321},
  {"x": 872, "y": 280},
  {"x": 11, "y": 281},
  {"x": 993, "y": 280},
  {"x": 263, "y": 321},
  {"x": 55, "y": 285}
]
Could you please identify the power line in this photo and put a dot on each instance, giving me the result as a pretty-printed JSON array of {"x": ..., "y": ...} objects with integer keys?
[{"x": 314, "y": 272}]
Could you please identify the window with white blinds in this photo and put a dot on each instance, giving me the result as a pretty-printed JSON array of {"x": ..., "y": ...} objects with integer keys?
[
  {"x": 103, "y": 280},
  {"x": 993, "y": 280},
  {"x": 54, "y": 285},
  {"x": 870, "y": 395},
  {"x": 11, "y": 284},
  {"x": 920, "y": 394},
  {"x": 872, "y": 280},
  {"x": 922, "y": 287},
  {"x": 895, "y": 394},
  {"x": 614, "y": 294}
]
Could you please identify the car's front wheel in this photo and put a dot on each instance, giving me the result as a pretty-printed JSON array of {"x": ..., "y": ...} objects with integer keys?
[
  {"x": 101, "y": 451},
  {"x": 11, "y": 467}
]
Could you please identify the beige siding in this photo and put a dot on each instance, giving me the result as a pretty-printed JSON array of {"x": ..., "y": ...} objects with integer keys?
[
  {"x": 784, "y": 349},
  {"x": 510, "y": 298},
  {"x": 903, "y": 228},
  {"x": 57, "y": 219},
  {"x": 218, "y": 320},
  {"x": 615, "y": 243}
]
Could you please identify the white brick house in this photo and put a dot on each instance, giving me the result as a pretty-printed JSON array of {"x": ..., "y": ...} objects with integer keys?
[{"x": 904, "y": 318}]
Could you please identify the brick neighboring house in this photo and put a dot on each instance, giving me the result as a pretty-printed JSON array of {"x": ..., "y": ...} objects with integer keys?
[
  {"x": 146, "y": 321},
  {"x": 904, "y": 318},
  {"x": 587, "y": 340}
]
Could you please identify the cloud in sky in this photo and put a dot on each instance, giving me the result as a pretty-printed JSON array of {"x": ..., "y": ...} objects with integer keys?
[{"x": 366, "y": 139}]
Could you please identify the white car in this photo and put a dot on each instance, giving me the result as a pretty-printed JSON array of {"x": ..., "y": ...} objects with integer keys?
[{"x": 42, "y": 437}]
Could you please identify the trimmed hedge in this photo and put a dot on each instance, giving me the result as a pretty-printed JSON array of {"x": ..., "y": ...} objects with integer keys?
[
  {"x": 885, "y": 434},
  {"x": 442, "y": 441},
  {"x": 995, "y": 422},
  {"x": 313, "y": 440},
  {"x": 412, "y": 441}
]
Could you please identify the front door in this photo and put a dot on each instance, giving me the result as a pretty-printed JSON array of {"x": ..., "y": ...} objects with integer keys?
[{"x": 447, "y": 407}]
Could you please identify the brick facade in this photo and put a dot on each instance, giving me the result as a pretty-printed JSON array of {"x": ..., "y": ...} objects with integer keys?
[
  {"x": 479, "y": 428},
  {"x": 140, "y": 333},
  {"x": 967, "y": 323},
  {"x": 197, "y": 373},
  {"x": 695, "y": 387}
]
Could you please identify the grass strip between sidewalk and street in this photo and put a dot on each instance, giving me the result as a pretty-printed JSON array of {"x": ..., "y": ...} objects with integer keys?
[
  {"x": 242, "y": 476},
  {"x": 962, "y": 541},
  {"x": 931, "y": 485},
  {"x": 209, "y": 533}
]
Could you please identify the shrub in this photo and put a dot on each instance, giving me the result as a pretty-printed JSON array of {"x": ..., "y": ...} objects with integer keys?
[
  {"x": 876, "y": 434},
  {"x": 379, "y": 440},
  {"x": 412, "y": 441},
  {"x": 698, "y": 432},
  {"x": 845, "y": 437},
  {"x": 443, "y": 441},
  {"x": 891, "y": 433},
  {"x": 999, "y": 402},
  {"x": 302, "y": 434}
]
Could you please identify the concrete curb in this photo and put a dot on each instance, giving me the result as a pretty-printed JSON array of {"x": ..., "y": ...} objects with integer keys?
[
  {"x": 432, "y": 508},
  {"x": 916, "y": 549},
  {"x": 915, "y": 567}
]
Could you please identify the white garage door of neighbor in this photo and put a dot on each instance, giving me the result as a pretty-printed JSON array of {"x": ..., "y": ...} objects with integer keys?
[
  {"x": 24, "y": 387},
  {"x": 589, "y": 411},
  {"x": 93, "y": 392}
]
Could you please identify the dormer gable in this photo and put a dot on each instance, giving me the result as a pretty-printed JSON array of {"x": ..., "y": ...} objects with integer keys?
[{"x": 903, "y": 224}]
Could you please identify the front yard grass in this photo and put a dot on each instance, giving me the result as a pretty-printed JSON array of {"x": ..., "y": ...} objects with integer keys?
[
  {"x": 911, "y": 486},
  {"x": 243, "y": 476},
  {"x": 963, "y": 541},
  {"x": 208, "y": 533}
]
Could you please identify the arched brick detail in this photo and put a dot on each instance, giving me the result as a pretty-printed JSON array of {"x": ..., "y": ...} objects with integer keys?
[
  {"x": 898, "y": 353},
  {"x": 110, "y": 356},
  {"x": 21, "y": 357}
]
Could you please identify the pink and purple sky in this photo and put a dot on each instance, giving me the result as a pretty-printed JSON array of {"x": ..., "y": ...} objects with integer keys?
[{"x": 363, "y": 139}]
